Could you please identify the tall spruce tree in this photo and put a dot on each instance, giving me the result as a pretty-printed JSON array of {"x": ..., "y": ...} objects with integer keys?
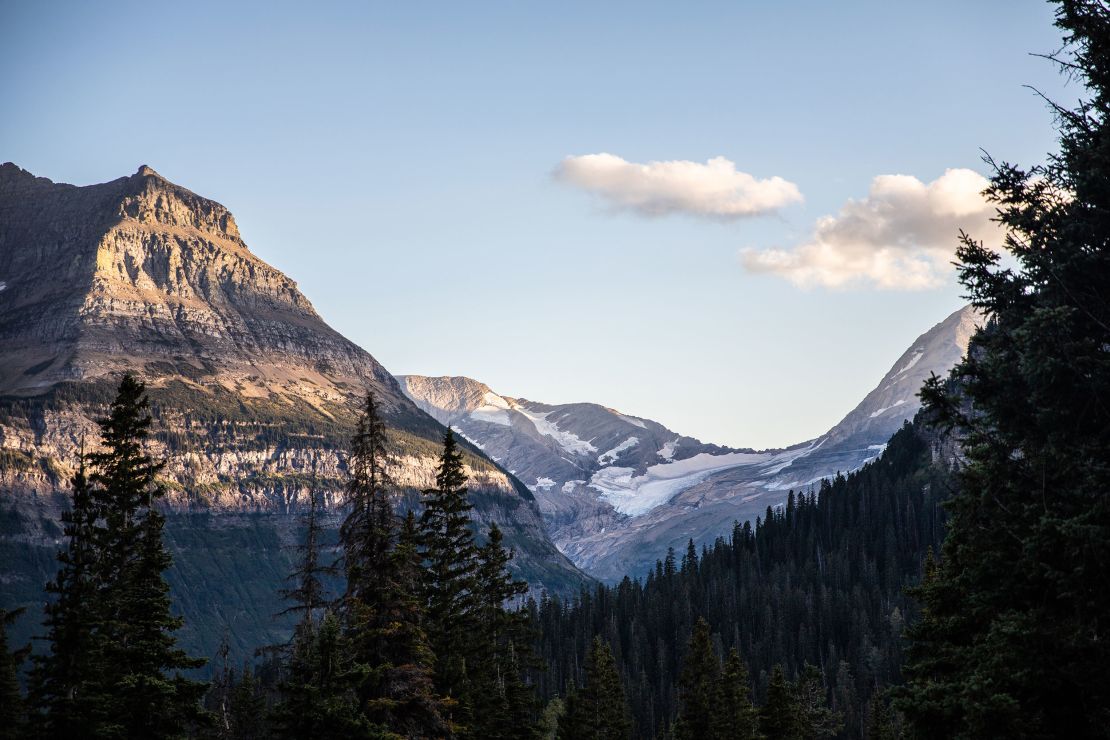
[
  {"x": 698, "y": 687},
  {"x": 815, "y": 718},
  {"x": 128, "y": 683},
  {"x": 779, "y": 715},
  {"x": 503, "y": 706},
  {"x": 13, "y": 707},
  {"x": 450, "y": 576},
  {"x": 735, "y": 717},
  {"x": 383, "y": 619},
  {"x": 1014, "y": 641},
  {"x": 60, "y": 685},
  {"x": 598, "y": 709}
]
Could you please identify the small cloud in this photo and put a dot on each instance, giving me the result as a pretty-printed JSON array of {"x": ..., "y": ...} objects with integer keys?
[
  {"x": 715, "y": 189},
  {"x": 902, "y": 236}
]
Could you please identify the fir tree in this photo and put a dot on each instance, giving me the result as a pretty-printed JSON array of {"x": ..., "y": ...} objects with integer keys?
[
  {"x": 1014, "y": 640},
  {"x": 119, "y": 674},
  {"x": 698, "y": 687},
  {"x": 61, "y": 680},
  {"x": 13, "y": 708},
  {"x": 318, "y": 696},
  {"x": 134, "y": 644},
  {"x": 450, "y": 559},
  {"x": 735, "y": 717},
  {"x": 597, "y": 710},
  {"x": 778, "y": 718},
  {"x": 246, "y": 708},
  {"x": 503, "y": 706},
  {"x": 815, "y": 718},
  {"x": 384, "y": 619}
]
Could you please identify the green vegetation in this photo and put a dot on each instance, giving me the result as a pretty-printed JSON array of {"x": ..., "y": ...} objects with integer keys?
[{"x": 1013, "y": 640}]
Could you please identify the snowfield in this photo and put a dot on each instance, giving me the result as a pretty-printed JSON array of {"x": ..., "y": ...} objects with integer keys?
[
  {"x": 884, "y": 409},
  {"x": 566, "y": 440},
  {"x": 611, "y": 456},
  {"x": 636, "y": 495},
  {"x": 667, "y": 453},
  {"x": 494, "y": 409}
]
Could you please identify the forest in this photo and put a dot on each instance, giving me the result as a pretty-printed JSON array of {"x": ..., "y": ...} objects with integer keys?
[{"x": 954, "y": 588}]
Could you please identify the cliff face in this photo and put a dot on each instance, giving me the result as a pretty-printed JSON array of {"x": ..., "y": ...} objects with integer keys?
[{"x": 253, "y": 394}]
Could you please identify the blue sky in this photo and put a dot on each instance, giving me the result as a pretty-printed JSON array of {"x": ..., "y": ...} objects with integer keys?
[{"x": 398, "y": 160}]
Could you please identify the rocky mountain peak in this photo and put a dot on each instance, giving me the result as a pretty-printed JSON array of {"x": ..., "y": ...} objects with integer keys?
[{"x": 150, "y": 198}]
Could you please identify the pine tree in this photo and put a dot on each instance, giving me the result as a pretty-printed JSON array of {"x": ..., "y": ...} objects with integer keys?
[
  {"x": 61, "y": 681},
  {"x": 309, "y": 594},
  {"x": 597, "y": 710},
  {"x": 735, "y": 718},
  {"x": 246, "y": 709},
  {"x": 815, "y": 719},
  {"x": 13, "y": 707},
  {"x": 1017, "y": 610},
  {"x": 503, "y": 706},
  {"x": 778, "y": 718},
  {"x": 383, "y": 618},
  {"x": 698, "y": 687},
  {"x": 318, "y": 696},
  {"x": 451, "y": 565},
  {"x": 134, "y": 647}
]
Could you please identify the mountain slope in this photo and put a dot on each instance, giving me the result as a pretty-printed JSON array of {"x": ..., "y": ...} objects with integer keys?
[
  {"x": 616, "y": 491},
  {"x": 254, "y": 395}
]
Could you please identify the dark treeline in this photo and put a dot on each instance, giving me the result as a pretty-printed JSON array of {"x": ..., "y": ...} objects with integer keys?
[
  {"x": 420, "y": 643},
  {"x": 817, "y": 584}
]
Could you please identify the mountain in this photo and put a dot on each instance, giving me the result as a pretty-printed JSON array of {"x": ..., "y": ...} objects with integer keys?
[
  {"x": 617, "y": 490},
  {"x": 254, "y": 395}
]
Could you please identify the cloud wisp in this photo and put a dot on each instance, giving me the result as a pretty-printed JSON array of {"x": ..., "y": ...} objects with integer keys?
[
  {"x": 902, "y": 236},
  {"x": 715, "y": 189}
]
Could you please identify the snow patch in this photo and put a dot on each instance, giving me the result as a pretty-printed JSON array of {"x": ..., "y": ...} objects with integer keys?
[
  {"x": 4, "y": 285},
  {"x": 568, "y": 441},
  {"x": 494, "y": 409},
  {"x": 638, "y": 494},
  {"x": 474, "y": 442},
  {"x": 633, "y": 421},
  {"x": 544, "y": 483},
  {"x": 611, "y": 456},
  {"x": 570, "y": 485},
  {"x": 667, "y": 452},
  {"x": 885, "y": 409},
  {"x": 918, "y": 354}
]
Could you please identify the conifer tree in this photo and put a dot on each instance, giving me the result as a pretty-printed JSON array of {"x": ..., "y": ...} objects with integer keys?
[
  {"x": 384, "y": 619},
  {"x": 735, "y": 718},
  {"x": 698, "y": 687},
  {"x": 128, "y": 683},
  {"x": 815, "y": 718},
  {"x": 318, "y": 696},
  {"x": 1017, "y": 610},
  {"x": 60, "y": 685},
  {"x": 450, "y": 574},
  {"x": 13, "y": 707},
  {"x": 503, "y": 706},
  {"x": 778, "y": 718},
  {"x": 135, "y": 646},
  {"x": 597, "y": 710},
  {"x": 246, "y": 708},
  {"x": 313, "y": 691}
]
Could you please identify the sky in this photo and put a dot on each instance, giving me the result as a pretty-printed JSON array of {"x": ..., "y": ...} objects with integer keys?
[{"x": 731, "y": 218}]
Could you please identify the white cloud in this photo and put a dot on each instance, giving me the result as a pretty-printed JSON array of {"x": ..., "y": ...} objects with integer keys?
[
  {"x": 715, "y": 189},
  {"x": 902, "y": 236}
]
